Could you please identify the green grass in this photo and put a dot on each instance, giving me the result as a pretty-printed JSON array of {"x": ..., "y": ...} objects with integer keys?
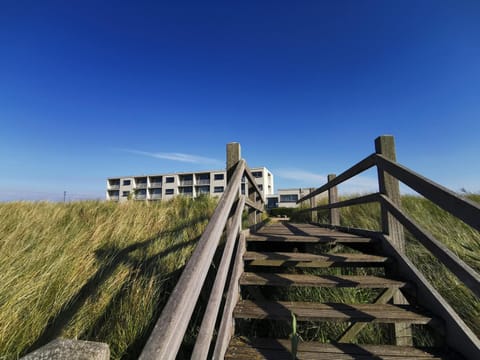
[{"x": 91, "y": 270}]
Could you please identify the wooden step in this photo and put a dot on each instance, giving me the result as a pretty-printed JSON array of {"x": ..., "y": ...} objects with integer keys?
[
  {"x": 307, "y": 311},
  {"x": 280, "y": 349},
  {"x": 299, "y": 259},
  {"x": 320, "y": 239},
  {"x": 307, "y": 280}
]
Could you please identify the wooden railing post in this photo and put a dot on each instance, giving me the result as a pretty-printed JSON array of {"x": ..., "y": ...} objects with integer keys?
[
  {"x": 389, "y": 186},
  {"x": 252, "y": 213},
  {"x": 313, "y": 213},
  {"x": 334, "y": 214},
  {"x": 234, "y": 154}
]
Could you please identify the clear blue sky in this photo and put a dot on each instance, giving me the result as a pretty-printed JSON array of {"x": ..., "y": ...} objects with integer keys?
[{"x": 94, "y": 89}]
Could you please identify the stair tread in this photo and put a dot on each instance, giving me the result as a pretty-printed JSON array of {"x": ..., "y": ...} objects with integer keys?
[
  {"x": 322, "y": 239},
  {"x": 272, "y": 279},
  {"x": 300, "y": 259},
  {"x": 308, "y": 311},
  {"x": 280, "y": 349}
]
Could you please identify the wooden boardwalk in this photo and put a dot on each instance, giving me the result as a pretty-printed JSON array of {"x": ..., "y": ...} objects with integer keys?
[
  {"x": 281, "y": 269},
  {"x": 256, "y": 266}
]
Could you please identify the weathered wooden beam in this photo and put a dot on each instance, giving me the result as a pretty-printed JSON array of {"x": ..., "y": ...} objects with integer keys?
[
  {"x": 355, "y": 328},
  {"x": 168, "y": 333},
  {"x": 356, "y": 169},
  {"x": 313, "y": 214},
  {"x": 334, "y": 213},
  {"x": 227, "y": 325},
  {"x": 234, "y": 154},
  {"x": 204, "y": 337},
  {"x": 465, "y": 273},
  {"x": 254, "y": 205},
  {"x": 356, "y": 201},
  {"x": 390, "y": 187},
  {"x": 464, "y": 209},
  {"x": 251, "y": 179}
]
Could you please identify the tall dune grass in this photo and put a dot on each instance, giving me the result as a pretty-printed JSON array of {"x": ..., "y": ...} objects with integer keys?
[{"x": 91, "y": 270}]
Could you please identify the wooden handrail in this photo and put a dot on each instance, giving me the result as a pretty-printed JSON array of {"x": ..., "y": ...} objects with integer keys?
[
  {"x": 167, "y": 335},
  {"x": 204, "y": 338},
  {"x": 464, "y": 209},
  {"x": 254, "y": 184},
  {"x": 356, "y": 201},
  {"x": 356, "y": 169},
  {"x": 464, "y": 272}
]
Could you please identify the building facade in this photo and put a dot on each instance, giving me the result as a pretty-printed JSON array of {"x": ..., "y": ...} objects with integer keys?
[
  {"x": 288, "y": 197},
  {"x": 193, "y": 184}
]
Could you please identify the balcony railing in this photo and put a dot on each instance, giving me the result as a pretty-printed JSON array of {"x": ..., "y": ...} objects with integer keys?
[
  {"x": 114, "y": 187},
  {"x": 186, "y": 182},
  {"x": 156, "y": 184},
  {"x": 203, "y": 181},
  {"x": 155, "y": 196},
  {"x": 141, "y": 197},
  {"x": 141, "y": 185},
  {"x": 114, "y": 198}
]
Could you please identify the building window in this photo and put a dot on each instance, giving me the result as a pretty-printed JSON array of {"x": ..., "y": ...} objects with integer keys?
[
  {"x": 243, "y": 189},
  {"x": 156, "y": 191},
  {"x": 260, "y": 186},
  {"x": 218, "y": 189},
  {"x": 219, "y": 177},
  {"x": 169, "y": 191},
  {"x": 272, "y": 202},
  {"x": 289, "y": 198},
  {"x": 125, "y": 193},
  {"x": 170, "y": 179},
  {"x": 126, "y": 182},
  {"x": 257, "y": 174},
  {"x": 203, "y": 190}
]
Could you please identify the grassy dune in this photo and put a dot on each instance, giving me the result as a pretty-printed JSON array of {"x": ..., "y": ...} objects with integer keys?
[{"x": 91, "y": 270}]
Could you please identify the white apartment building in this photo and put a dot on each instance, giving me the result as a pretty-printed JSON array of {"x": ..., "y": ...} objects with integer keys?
[{"x": 166, "y": 186}]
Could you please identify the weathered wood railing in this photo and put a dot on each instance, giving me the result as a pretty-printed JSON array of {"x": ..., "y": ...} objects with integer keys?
[
  {"x": 394, "y": 220},
  {"x": 168, "y": 333}
]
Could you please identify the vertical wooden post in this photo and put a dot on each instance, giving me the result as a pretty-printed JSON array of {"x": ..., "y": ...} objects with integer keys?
[
  {"x": 313, "y": 213},
  {"x": 252, "y": 213},
  {"x": 333, "y": 198},
  {"x": 389, "y": 186},
  {"x": 234, "y": 154}
]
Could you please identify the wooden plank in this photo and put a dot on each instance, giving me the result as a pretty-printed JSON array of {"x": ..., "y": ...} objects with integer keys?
[
  {"x": 464, "y": 209},
  {"x": 280, "y": 349},
  {"x": 356, "y": 169},
  {"x": 234, "y": 155},
  {"x": 252, "y": 204},
  {"x": 226, "y": 329},
  {"x": 320, "y": 239},
  {"x": 353, "y": 330},
  {"x": 204, "y": 337},
  {"x": 356, "y": 201},
  {"x": 167, "y": 335},
  {"x": 312, "y": 260},
  {"x": 253, "y": 183},
  {"x": 465, "y": 273},
  {"x": 307, "y": 311},
  {"x": 307, "y": 280},
  {"x": 458, "y": 335}
]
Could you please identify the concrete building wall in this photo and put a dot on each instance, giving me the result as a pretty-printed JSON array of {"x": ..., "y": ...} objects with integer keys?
[{"x": 166, "y": 186}]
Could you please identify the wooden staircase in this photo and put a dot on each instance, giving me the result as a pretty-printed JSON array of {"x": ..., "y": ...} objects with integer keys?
[{"x": 289, "y": 267}]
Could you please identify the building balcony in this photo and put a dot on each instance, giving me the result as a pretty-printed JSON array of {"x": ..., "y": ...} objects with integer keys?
[
  {"x": 141, "y": 185},
  {"x": 113, "y": 198},
  {"x": 140, "y": 197},
  {"x": 186, "y": 182},
  {"x": 203, "y": 181},
  {"x": 114, "y": 187},
  {"x": 155, "y": 184},
  {"x": 155, "y": 196}
]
